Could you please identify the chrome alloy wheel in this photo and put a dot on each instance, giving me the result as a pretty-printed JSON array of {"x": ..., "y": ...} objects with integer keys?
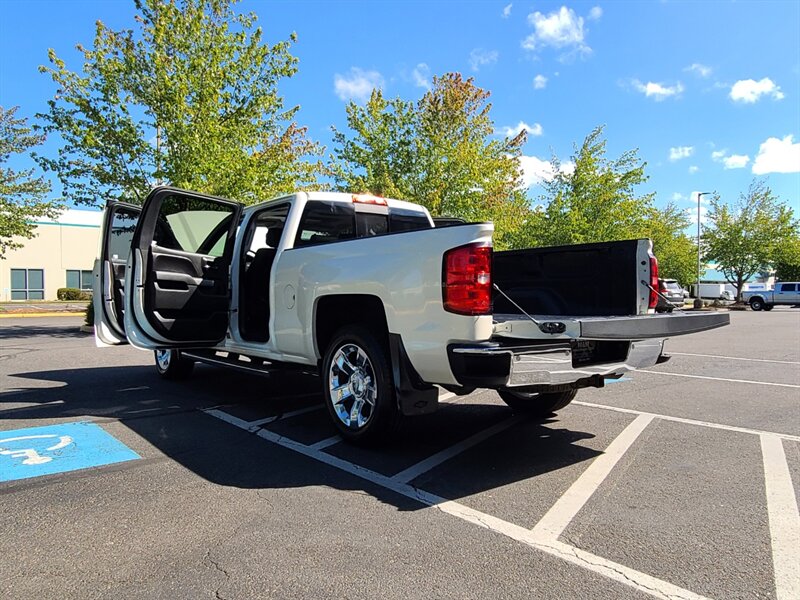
[
  {"x": 352, "y": 389},
  {"x": 163, "y": 358}
]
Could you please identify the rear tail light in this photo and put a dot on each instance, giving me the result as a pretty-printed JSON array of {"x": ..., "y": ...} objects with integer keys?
[
  {"x": 467, "y": 280},
  {"x": 653, "y": 282}
]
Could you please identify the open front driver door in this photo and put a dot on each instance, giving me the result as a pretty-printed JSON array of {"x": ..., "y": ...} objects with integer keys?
[
  {"x": 177, "y": 274},
  {"x": 108, "y": 293}
]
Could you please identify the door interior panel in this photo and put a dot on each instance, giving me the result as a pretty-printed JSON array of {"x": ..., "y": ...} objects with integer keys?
[{"x": 187, "y": 294}]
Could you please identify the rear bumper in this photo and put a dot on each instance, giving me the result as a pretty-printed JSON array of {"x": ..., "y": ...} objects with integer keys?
[
  {"x": 548, "y": 366},
  {"x": 591, "y": 349}
]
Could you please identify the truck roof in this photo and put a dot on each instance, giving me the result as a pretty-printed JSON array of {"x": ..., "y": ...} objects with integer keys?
[{"x": 345, "y": 198}]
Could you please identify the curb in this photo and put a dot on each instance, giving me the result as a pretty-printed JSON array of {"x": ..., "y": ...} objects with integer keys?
[{"x": 42, "y": 314}]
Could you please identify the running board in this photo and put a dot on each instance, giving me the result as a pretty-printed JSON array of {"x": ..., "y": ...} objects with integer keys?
[{"x": 244, "y": 363}]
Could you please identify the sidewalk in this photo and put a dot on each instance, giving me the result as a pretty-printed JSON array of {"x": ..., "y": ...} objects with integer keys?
[{"x": 42, "y": 309}]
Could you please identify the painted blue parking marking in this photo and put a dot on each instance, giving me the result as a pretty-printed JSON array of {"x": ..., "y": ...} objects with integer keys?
[
  {"x": 620, "y": 380},
  {"x": 37, "y": 451}
]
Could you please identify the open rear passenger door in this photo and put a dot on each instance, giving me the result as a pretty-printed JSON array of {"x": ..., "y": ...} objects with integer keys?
[{"x": 177, "y": 274}]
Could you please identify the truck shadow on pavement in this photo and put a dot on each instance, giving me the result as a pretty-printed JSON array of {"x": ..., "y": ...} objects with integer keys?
[
  {"x": 18, "y": 332},
  {"x": 170, "y": 417}
]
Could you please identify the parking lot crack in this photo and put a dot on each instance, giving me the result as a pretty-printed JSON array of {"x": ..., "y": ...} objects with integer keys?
[
  {"x": 208, "y": 561},
  {"x": 658, "y": 588}
]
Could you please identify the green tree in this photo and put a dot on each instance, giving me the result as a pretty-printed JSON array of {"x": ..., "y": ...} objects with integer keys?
[
  {"x": 595, "y": 201},
  {"x": 22, "y": 196},
  {"x": 190, "y": 99},
  {"x": 379, "y": 157},
  {"x": 787, "y": 261},
  {"x": 440, "y": 152},
  {"x": 598, "y": 200},
  {"x": 747, "y": 237}
]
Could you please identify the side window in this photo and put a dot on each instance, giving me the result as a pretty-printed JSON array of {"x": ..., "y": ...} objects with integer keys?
[
  {"x": 123, "y": 224},
  {"x": 325, "y": 222},
  {"x": 788, "y": 287},
  {"x": 192, "y": 224},
  {"x": 407, "y": 220}
]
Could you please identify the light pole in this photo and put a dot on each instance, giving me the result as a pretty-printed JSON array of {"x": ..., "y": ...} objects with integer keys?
[{"x": 698, "y": 302}]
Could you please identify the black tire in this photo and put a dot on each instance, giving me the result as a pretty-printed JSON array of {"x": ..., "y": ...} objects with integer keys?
[
  {"x": 370, "y": 384},
  {"x": 538, "y": 405},
  {"x": 769, "y": 307},
  {"x": 756, "y": 304},
  {"x": 172, "y": 365}
]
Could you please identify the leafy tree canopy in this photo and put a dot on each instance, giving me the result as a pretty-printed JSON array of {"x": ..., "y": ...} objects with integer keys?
[
  {"x": 787, "y": 261},
  {"x": 190, "y": 99},
  {"x": 750, "y": 235},
  {"x": 597, "y": 199},
  {"x": 22, "y": 196},
  {"x": 440, "y": 152}
]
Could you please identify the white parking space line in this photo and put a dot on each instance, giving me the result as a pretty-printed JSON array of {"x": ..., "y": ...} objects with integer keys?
[
  {"x": 788, "y": 385},
  {"x": 785, "y": 436},
  {"x": 780, "y": 362},
  {"x": 446, "y": 396},
  {"x": 322, "y": 444},
  {"x": 555, "y": 521},
  {"x": 295, "y": 413},
  {"x": 434, "y": 460},
  {"x": 784, "y": 519},
  {"x": 596, "y": 564},
  {"x": 135, "y": 389}
]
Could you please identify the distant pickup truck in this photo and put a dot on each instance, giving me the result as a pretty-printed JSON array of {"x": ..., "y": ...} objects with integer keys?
[
  {"x": 383, "y": 305},
  {"x": 787, "y": 292}
]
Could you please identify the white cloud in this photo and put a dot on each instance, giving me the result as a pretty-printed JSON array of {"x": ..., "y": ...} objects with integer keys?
[
  {"x": 778, "y": 156},
  {"x": 693, "y": 169},
  {"x": 559, "y": 29},
  {"x": 658, "y": 91},
  {"x": 534, "y": 170},
  {"x": 680, "y": 152},
  {"x": 507, "y": 11},
  {"x": 678, "y": 197},
  {"x": 480, "y": 58},
  {"x": 539, "y": 82},
  {"x": 595, "y": 13},
  {"x": 736, "y": 161},
  {"x": 535, "y": 129},
  {"x": 420, "y": 75},
  {"x": 718, "y": 155},
  {"x": 358, "y": 85},
  {"x": 750, "y": 91},
  {"x": 699, "y": 70},
  {"x": 692, "y": 213}
]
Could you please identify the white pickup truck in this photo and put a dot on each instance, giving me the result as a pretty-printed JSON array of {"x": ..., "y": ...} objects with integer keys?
[
  {"x": 383, "y": 305},
  {"x": 786, "y": 293}
]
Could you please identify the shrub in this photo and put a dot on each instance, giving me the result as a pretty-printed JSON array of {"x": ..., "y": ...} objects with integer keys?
[
  {"x": 73, "y": 294},
  {"x": 89, "y": 316}
]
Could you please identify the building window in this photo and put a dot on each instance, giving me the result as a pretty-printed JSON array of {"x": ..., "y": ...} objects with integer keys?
[
  {"x": 79, "y": 280},
  {"x": 27, "y": 284}
]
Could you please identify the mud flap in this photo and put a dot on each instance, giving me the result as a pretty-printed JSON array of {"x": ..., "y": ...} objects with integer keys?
[{"x": 414, "y": 397}]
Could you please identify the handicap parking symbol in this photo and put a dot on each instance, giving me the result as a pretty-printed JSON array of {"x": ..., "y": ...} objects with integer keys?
[{"x": 37, "y": 451}]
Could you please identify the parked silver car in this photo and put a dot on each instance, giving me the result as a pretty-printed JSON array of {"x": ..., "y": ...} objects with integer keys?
[{"x": 673, "y": 295}]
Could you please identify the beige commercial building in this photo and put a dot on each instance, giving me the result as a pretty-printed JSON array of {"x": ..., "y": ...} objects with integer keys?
[{"x": 60, "y": 256}]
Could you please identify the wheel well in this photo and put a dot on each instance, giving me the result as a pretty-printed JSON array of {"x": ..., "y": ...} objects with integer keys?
[
  {"x": 335, "y": 311},
  {"x": 756, "y": 298}
]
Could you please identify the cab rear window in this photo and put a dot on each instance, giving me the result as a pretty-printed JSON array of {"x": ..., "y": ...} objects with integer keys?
[{"x": 325, "y": 222}]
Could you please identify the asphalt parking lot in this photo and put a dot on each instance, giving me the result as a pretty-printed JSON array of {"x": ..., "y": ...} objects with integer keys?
[{"x": 676, "y": 482}]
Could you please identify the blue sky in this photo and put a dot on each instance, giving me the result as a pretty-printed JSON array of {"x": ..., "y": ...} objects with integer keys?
[{"x": 708, "y": 91}]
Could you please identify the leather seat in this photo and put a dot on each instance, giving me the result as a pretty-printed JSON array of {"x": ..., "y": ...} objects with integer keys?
[{"x": 256, "y": 289}]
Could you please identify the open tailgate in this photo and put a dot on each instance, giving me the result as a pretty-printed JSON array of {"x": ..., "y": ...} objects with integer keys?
[{"x": 634, "y": 327}]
